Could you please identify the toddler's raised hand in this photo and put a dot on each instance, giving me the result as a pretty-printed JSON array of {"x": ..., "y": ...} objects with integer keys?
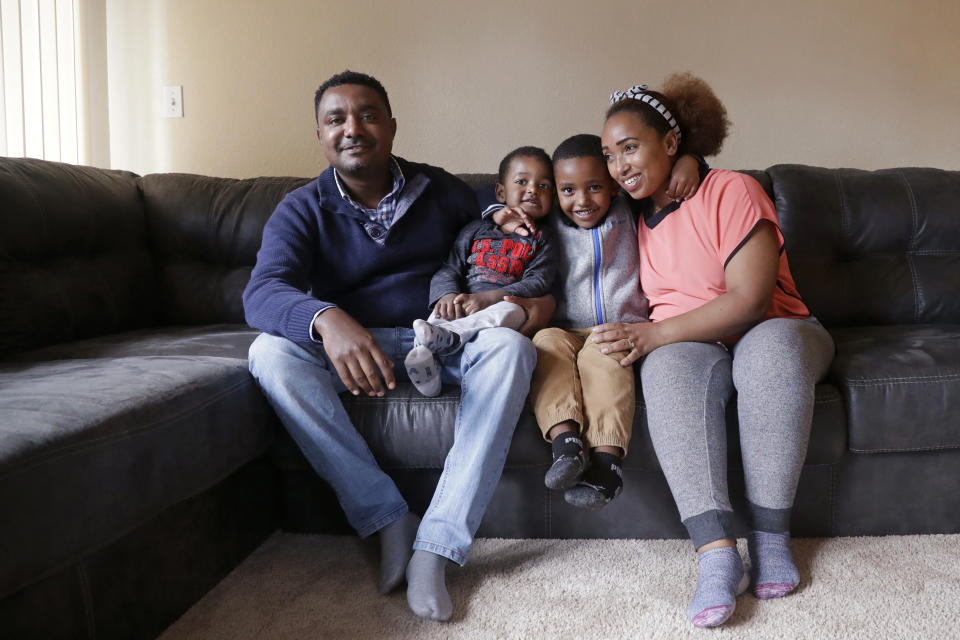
[{"x": 514, "y": 220}]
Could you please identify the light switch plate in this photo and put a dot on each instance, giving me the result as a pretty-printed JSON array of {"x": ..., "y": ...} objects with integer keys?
[{"x": 173, "y": 102}]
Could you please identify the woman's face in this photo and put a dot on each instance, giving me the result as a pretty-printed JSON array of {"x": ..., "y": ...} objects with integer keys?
[{"x": 638, "y": 157}]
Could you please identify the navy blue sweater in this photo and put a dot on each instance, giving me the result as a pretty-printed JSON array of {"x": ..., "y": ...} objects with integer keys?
[{"x": 316, "y": 253}]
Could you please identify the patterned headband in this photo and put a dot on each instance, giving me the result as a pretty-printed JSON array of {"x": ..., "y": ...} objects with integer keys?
[{"x": 639, "y": 92}]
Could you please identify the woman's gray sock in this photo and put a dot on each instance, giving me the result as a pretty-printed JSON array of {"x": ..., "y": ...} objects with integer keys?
[
  {"x": 426, "y": 586},
  {"x": 722, "y": 578},
  {"x": 396, "y": 547},
  {"x": 772, "y": 571}
]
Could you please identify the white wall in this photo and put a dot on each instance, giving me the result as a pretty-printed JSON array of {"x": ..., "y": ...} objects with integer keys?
[{"x": 857, "y": 83}]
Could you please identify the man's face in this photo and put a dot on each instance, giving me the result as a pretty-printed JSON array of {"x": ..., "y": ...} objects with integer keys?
[{"x": 355, "y": 130}]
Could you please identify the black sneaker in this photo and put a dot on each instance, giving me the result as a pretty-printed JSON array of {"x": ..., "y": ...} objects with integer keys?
[{"x": 569, "y": 462}]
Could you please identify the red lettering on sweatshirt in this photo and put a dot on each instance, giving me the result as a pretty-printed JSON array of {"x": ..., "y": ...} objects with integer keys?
[{"x": 506, "y": 257}]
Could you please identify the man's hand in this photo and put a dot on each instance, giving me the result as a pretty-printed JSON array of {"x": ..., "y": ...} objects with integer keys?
[
  {"x": 358, "y": 359},
  {"x": 514, "y": 220},
  {"x": 539, "y": 311},
  {"x": 636, "y": 338}
]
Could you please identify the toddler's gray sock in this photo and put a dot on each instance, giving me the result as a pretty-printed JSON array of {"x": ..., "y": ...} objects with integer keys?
[
  {"x": 426, "y": 586},
  {"x": 722, "y": 578},
  {"x": 423, "y": 371},
  {"x": 441, "y": 341},
  {"x": 772, "y": 571},
  {"x": 396, "y": 547}
]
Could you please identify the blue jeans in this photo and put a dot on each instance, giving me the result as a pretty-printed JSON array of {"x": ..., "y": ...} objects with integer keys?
[{"x": 493, "y": 370}]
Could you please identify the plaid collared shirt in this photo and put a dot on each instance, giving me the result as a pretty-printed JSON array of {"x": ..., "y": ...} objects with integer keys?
[{"x": 386, "y": 211}]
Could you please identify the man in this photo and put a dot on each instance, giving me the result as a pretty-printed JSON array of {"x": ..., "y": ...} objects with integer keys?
[{"x": 343, "y": 269}]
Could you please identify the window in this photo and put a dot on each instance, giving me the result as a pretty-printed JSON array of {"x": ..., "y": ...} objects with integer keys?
[{"x": 39, "y": 94}]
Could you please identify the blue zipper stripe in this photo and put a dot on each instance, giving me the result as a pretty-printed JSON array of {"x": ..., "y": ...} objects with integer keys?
[{"x": 596, "y": 274}]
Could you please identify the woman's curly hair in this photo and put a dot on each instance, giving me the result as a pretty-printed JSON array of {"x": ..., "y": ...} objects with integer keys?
[{"x": 700, "y": 114}]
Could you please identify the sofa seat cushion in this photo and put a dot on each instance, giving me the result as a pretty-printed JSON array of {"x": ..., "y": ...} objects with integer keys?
[
  {"x": 100, "y": 436},
  {"x": 901, "y": 385},
  {"x": 406, "y": 430}
]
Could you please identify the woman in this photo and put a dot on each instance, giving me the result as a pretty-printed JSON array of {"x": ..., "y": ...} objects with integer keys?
[{"x": 726, "y": 317}]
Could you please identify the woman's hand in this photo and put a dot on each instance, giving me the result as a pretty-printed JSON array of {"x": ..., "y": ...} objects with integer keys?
[
  {"x": 515, "y": 220},
  {"x": 637, "y": 338}
]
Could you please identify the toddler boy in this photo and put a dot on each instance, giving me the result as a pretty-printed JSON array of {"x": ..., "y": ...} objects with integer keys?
[{"x": 484, "y": 265}]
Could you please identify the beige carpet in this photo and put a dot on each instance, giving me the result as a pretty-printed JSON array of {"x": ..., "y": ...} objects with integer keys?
[{"x": 301, "y": 587}]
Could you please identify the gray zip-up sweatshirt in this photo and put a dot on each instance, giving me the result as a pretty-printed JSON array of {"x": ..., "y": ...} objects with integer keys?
[{"x": 598, "y": 270}]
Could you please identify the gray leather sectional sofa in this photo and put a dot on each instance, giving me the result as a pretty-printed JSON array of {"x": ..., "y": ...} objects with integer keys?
[{"x": 139, "y": 462}]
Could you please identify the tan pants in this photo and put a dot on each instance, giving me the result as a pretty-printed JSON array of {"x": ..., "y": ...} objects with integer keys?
[{"x": 575, "y": 381}]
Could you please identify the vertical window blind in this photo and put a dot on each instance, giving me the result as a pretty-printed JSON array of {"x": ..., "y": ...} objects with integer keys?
[{"x": 39, "y": 94}]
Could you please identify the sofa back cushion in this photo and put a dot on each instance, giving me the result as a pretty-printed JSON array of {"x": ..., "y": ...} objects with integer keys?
[
  {"x": 74, "y": 261},
  {"x": 872, "y": 247},
  {"x": 205, "y": 234}
]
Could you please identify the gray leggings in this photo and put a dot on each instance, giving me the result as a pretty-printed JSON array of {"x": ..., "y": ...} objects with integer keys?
[{"x": 686, "y": 386}]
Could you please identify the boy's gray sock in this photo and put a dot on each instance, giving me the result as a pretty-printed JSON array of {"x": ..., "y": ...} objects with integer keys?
[
  {"x": 772, "y": 571},
  {"x": 423, "y": 371},
  {"x": 441, "y": 341},
  {"x": 426, "y": 586},
  {"x": 722, "y": 578},
  {"x": 396, "y": 547},
  {"x": 602, "y": 482},
  {"x": 568, "y": 464}
]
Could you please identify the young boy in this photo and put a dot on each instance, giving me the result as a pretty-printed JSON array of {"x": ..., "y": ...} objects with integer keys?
[
  {"x": 486, "y": 264},
  {"x": 578, "y": 393}
]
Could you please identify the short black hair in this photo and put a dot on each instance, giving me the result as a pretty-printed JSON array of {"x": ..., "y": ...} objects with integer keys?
[
  {"x": 522, "y": 152},
  {"x": 582, "y": 145},
  {"x": 351, "y": 77}
]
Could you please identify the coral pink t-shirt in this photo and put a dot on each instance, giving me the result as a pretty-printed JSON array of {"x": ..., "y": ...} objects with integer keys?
[{"x": 683, "y": 255}]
